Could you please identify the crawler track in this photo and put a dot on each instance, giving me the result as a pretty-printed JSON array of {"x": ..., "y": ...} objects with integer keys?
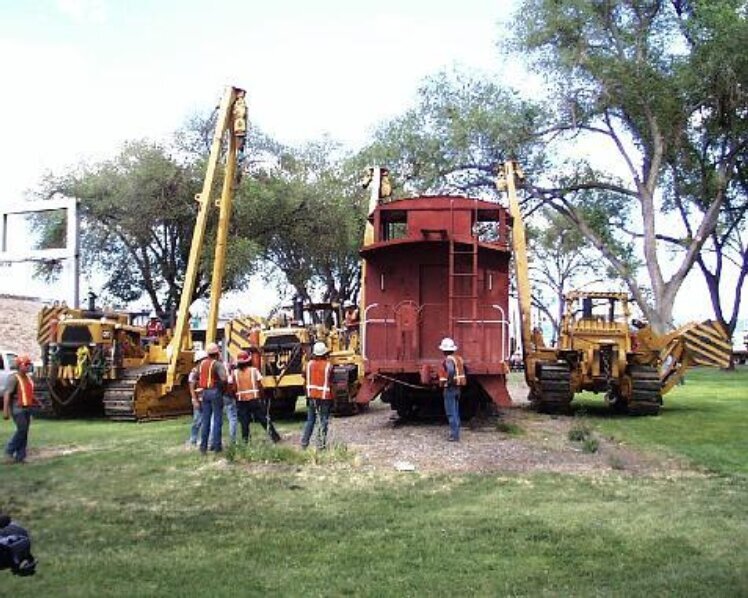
[
  {"x": 67, "y": 399},
  {"x": 646, "y": 386},
  {"x": 136, "y": 396},
  {"x": 555, "y": 392}
]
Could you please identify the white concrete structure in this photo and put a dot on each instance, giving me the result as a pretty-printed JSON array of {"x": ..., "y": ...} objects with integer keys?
[{"x": 70, "y": 254}]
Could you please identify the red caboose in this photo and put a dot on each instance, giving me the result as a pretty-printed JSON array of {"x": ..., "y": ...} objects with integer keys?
[{"x": 438, "y": 266}]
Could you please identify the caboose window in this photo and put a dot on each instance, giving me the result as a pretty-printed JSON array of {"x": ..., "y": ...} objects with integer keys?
[
  {"x": 487, "y": 231},
  {"x": 394, "y": 225}
]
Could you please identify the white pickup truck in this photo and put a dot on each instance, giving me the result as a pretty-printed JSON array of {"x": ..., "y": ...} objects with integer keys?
[{"x": 7, "y": 366}]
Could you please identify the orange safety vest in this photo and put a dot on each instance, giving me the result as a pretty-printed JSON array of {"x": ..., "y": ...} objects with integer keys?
[
  {"x": 208, "y": 378},
  {"x": 318, "y": 379},
  {"x": 460, "y": 379},
  {"x": 247, "y": 384},
  {"x": 25, "y": 391}
]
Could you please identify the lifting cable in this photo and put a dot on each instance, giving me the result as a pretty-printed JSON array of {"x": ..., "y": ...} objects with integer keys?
[{"x": 402, "y": 383}]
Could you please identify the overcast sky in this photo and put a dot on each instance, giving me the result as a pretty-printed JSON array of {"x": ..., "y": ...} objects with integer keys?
[
  {"x": 82, "y": 76},
  {"x": 85, "y": 75}
]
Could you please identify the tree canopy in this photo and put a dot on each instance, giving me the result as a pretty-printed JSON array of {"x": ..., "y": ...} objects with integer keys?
[
  {"x": 137, "y": 212},
  {"x": 460, "y": 130},
  {"x": 660, "y": 85},
  {"x": 295, "y": 214},
  {"x": 303, "y": 212},
  {"x": 639, "y": 142}
]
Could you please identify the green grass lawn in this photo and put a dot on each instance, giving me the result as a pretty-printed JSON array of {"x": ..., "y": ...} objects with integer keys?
[
  {"x": 704, "y": 420},
  {"x": 132, "y": 513}
]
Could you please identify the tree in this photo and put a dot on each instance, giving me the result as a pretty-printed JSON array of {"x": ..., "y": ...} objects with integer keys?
[
  {"x": 648, "y": 78},
  {"x": 695, "y": 173},
  {"x": 301, "y": 209},
  {"x": 561, "y": 261},
  {"x": 452, "y": 141},
  {"x": 138, "y": 212},
  {"x": 460, "y": 130}
]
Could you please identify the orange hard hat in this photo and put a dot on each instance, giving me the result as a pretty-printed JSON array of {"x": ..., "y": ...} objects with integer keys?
[{"x": 23, "y": 359}]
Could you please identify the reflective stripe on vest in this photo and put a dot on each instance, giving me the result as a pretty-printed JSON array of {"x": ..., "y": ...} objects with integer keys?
[
  {"x": 25, "y": 391},
  {"x": 318, "y": 379},
  {"x": 459, "y": 379},
  {"x": 246, "y": 384},
  {"x": 207, "y": 378}
]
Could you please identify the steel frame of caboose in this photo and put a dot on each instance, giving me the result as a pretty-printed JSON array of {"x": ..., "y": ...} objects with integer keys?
[{"x": 438, "y": 266}]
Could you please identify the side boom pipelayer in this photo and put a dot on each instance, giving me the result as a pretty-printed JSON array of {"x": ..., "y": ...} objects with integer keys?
[
  {"x": 600, "y": 352},
  {"x": 232, "y": 118},
  {"x": 115, "y": 369}
]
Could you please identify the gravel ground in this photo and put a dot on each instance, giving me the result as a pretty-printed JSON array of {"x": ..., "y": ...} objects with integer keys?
[{"x": 381, "y": 441}]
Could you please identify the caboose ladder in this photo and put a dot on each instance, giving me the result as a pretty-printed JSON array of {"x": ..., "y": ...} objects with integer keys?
[{"x": 463, "y": 265}]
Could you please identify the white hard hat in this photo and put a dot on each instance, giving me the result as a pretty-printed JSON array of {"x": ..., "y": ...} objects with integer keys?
[
  {"x": 348, "y": 303},
  {"x": 212, "y": 349},
  {"x": 199, "y": 355},
  {"x": 447, "y": 344},
  {"x": 319, "y": 349},
  {"x": 152, "y": 315}
]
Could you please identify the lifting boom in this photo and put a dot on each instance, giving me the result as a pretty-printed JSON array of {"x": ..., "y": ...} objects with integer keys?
[
  {"x": 509, "y": 173},
  {"x": 231, "y": 118}
]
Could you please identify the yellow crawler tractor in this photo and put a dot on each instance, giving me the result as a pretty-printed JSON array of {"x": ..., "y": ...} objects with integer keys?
[
  {"x": 285, "y": 345},
  {"x": 600, "y": 349},
  {"x": 95, "y": 361}
]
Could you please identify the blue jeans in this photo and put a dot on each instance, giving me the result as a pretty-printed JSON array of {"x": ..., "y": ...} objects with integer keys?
[
  {"x": 256, "y": 409},
  {"x": 316, "y": 407},
  {"x": 197, "y": 420},
  {"x": 229, "y": 404},
  {"x": 212, "y": 421},
  {"x": 452, "y": 408},
  {"x": 16, "y": 447}
]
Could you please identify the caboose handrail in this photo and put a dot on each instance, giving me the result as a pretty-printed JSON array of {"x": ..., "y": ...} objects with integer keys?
[
  {"x": 363, "y": 329},
  {"x": 505, "y": 322}
]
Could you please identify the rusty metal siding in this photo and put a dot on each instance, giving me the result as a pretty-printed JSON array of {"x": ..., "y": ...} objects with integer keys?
[{"x": 407, "y": 311}]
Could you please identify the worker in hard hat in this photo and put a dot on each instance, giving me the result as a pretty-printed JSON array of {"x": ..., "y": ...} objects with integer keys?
[
  {"x": 318, "y": 379},
  {"x": 196, "y": 396},
  {"x": 212, "y": 382},
  {"x": 452, "y": 378},
  {"x": 250, "y": 403},
  {"x": 18, "y": 401}
]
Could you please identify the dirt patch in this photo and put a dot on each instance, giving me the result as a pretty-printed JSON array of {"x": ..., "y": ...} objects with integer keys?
[
  {"x": 49, "y": 452},
  {"x": 517, "y": 440}
]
